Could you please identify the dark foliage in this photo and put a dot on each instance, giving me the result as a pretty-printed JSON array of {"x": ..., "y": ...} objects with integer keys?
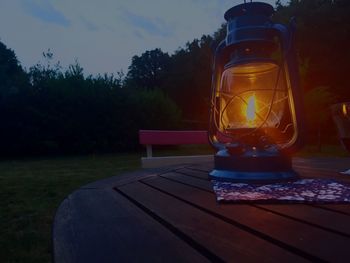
[
  {"x": 323, "y": 38},
  {"x": 47, "y": 111},
  {"x": 189, "y": 81},
  {"x": 148, "y": 71}
]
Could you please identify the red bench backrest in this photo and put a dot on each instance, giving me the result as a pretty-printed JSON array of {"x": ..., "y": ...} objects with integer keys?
[{"x": 155, "y": 137}]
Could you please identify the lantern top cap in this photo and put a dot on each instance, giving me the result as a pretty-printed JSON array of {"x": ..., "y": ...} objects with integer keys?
[{"x": 251, "y": 8}]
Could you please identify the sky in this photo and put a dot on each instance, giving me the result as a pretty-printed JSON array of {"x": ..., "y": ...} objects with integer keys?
[{"x": 103, "y": 35}]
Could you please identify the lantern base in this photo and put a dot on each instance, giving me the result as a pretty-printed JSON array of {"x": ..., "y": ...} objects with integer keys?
[{"x": 252, "y": 166}]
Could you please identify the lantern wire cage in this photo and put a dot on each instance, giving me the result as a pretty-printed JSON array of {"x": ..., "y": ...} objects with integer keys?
[
  {"x": 273, "y": 101},
  {"x": 264, "y": 119}
]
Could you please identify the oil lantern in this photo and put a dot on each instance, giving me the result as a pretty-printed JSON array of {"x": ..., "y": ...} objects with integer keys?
[{"x": 256, "y": 117}]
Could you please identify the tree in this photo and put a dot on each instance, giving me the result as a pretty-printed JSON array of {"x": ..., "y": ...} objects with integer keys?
[
  {"x": 60, "y": 112},
  {"x": 323, "y": 38},
  {"x": 12, "y": 76},
  {"x": 14, "y": 91},
  {"x": 149, "y": 70},
  {"x": 318, "y": 102},
  {"x": 189, "y": 81}
]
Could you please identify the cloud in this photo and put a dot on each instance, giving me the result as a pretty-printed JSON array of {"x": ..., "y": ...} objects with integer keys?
[
  {"x": 89, "y": 25},
  {"x": 138, "y": 34},
  {"x": 103, "y": 35},
  {"x": 45, "y": 11},
  {"x": 153, "y": 26}
]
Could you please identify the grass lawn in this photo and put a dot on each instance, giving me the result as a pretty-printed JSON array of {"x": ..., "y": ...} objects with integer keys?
[
  {"x": 32, "y": 189},
  {"x": 30, "y": 192}
]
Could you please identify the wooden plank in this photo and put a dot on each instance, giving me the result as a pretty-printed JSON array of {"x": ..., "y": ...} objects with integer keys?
[
  {"x": 327, "y": 168},
  {"x": 334, "y": 164},
  {"x": 225, "y": 240},
  {"x": 313, "y": 215},
  {"x": 205, "y": 167},
  {"x": 342, "y": 209},
  {"x": 152, "y": 162},
  {"x": 103, "y": 226},
  {"x": 202, "y": 184},
  {"x": 195, "y": 173},
  {"x": 339, "y": 208},
  {"x": 303, "y": 237},
  {"x": 321, "y": 174},
  {"x": 322, "y": 168},
  {"x": 125, "y": 178}
]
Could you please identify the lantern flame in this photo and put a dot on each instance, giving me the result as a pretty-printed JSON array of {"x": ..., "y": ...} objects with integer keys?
[
  {"x": 251, "y": 109},
  {"x": 345, "y": 110}
]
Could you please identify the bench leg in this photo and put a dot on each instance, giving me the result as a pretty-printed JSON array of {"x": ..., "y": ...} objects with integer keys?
[{"x": 149, "y": 150}]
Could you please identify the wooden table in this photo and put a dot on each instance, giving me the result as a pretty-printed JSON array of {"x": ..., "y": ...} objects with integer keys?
[{"x": 171, "y": 215}]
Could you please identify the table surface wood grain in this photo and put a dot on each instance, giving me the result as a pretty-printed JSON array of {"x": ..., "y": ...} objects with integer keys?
[{"x": 171, "y": 215}]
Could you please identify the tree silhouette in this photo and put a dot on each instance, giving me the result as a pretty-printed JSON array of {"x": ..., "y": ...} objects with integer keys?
[
  {"x": 149, "y": 70},
  {"x": 11, "y": 73}
]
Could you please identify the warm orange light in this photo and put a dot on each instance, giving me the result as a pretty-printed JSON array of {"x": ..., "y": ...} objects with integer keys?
[
  {"x": 345, "y": 110},
  {"x": 251, "y": 109}
]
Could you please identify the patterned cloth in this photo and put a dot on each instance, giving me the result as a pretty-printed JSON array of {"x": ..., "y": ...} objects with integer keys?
[{"x": 300, "y": 191}]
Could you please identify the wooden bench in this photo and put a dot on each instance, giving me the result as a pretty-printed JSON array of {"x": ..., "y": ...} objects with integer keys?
[{"x": 156, "y": 137}]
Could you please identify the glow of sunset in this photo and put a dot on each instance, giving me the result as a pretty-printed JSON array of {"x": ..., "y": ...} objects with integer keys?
[{"x": 251, "y": 109}]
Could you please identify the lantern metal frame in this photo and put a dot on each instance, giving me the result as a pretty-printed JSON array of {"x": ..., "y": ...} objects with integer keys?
[{"x": 250, "y": 24}]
